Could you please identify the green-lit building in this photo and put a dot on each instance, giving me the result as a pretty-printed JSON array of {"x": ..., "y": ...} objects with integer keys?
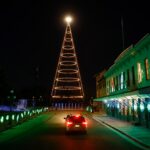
[{"x": 127, "y": 84}]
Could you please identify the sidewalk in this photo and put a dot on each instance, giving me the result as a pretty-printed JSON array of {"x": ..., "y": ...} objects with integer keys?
[{"x": 139, "y": 134}]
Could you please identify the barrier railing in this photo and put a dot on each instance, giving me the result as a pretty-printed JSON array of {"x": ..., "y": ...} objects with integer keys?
[{"x": 8, "y": 120}]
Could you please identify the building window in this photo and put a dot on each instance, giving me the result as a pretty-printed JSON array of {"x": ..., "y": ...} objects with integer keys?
[
  {"x": 122, "y": 80},
  {"x": 109, "y": 91},
  {"x": 139, "y": 72},
  {"x": 133, "y": 75},
  {"x": 128, "y": 78},
  {"x": 112, "y": 85},
  {"x": 116, "y": 83},
  {"x": 119, "y": 81},
  {"x": 107, "y": 87},
  {"x": 147, "y": 69}
]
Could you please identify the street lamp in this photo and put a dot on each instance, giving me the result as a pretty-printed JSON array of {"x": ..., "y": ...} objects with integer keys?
[{"x": 11, "y": 98}]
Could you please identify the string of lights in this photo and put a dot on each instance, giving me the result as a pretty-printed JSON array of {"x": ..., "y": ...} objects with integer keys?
[{"x": 67, "y": 82}]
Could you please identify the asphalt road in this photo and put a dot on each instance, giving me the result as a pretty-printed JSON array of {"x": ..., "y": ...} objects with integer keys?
[{"x": 47, "y": 132}]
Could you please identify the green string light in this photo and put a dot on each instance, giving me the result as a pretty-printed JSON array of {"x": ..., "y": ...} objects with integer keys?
[
  {"x": 13, "y": 117},
  {"x": 7, "y": 117},
  {"x": 2, "y": 119}
]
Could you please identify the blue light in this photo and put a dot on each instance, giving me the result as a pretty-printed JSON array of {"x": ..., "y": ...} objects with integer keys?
[
  {"x": 135, "y": 107},
  {"x": 148, "y": 107},
  {"x": 142, "y": 107},
  {"x": 118, "y": 106}
]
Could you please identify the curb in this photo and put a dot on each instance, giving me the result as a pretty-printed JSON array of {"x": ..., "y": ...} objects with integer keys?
[{"x": 131, "y": 137}]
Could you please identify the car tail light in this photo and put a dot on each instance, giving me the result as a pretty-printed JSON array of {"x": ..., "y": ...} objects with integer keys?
[
  {"x": 84, "y": 123},
  {"x": 69, "y": 123}
]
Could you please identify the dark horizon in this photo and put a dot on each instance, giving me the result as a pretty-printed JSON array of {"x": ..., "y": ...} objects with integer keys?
[{"x": 31, "y": 37}]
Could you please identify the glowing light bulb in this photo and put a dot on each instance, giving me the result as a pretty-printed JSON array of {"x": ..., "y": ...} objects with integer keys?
[{"x": 68, "y": 19}]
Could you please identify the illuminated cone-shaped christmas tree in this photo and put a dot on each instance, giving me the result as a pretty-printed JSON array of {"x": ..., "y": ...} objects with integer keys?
[{"x": 67, "y": 82}]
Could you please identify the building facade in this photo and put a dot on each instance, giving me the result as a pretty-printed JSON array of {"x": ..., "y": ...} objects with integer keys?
[
  {"x": 128, "y": 84},
  {"x": 100, "y": 84}
]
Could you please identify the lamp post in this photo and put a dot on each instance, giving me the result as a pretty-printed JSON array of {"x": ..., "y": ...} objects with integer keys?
[
  {"x": 11, "y": 98},
  {"x": 33, "y": 101}
]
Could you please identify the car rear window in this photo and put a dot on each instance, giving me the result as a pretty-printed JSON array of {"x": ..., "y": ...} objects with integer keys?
[{"x": 77, "y": 119}]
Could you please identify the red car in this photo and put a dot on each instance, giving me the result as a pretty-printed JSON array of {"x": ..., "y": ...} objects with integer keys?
[{"x": 75, "y": 123}]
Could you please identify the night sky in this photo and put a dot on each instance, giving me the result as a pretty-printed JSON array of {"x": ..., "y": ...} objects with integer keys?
[{"x": 31, "y": 35}]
